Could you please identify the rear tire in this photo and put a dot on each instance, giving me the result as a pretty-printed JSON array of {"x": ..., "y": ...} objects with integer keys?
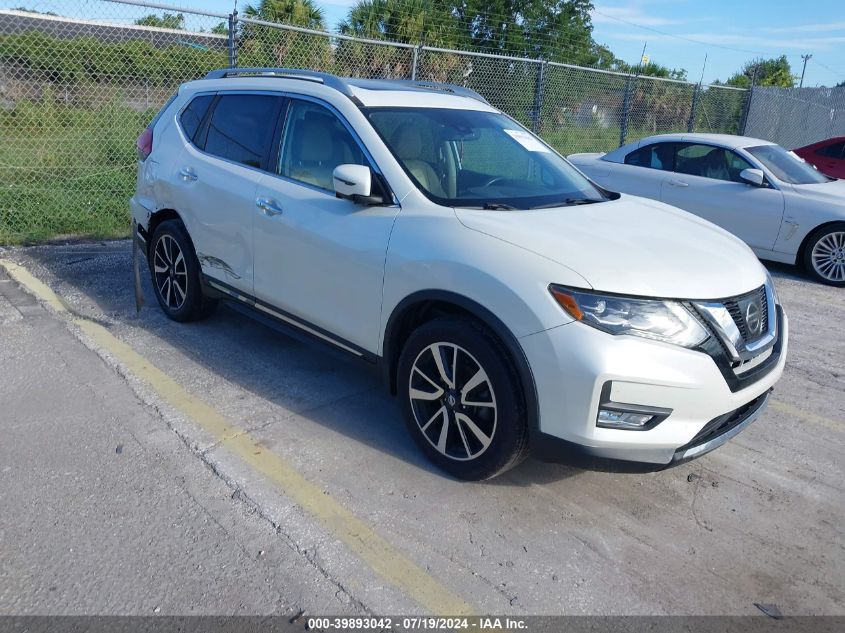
[
  {"x": 462, "y": 400},
  {"x": 824, "y": 254},
  {"x": 175, "y": 273}
]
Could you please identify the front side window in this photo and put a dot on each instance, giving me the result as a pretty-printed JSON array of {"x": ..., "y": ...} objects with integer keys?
[
  {"x": 315, "y": 143},
  {"x": 786, "y": 166},
  {"x": 710, "y": 162},
  {"x": 469, "y": 158},
  {"x": 654, "y": 156},
  {"x": 241, "y": 128}
]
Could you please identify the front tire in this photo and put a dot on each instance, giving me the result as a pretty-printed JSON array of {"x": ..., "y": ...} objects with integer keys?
[
  {"x": 824, "y": 254},
  {"x": 462, "y": 401},
  {"x": 175, "y": 273}
]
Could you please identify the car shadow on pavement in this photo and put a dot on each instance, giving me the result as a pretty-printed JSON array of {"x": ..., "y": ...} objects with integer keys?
[{"x": 297, "y": 376}]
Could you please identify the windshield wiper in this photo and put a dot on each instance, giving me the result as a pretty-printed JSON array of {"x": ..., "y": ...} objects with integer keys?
[
  {"x": 567, "y": 203},
  {"x": 497, "y": 206}
]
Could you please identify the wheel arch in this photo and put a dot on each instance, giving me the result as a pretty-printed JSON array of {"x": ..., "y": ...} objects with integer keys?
[
  {"x": 157, "y": 218},
  {"x": 805, "y": 243},
  {"x": 425, "y": 305}
]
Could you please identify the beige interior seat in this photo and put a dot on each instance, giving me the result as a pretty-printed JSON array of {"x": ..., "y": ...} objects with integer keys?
[{"x": 408, "y": 145}]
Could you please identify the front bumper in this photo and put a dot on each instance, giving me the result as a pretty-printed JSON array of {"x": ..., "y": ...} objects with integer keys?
[{"x": 573, "y": 363}]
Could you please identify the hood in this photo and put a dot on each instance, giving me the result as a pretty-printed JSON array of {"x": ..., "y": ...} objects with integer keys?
[
  {"x": 832, "y": 193},
  {"x": 630, "y": 246}
]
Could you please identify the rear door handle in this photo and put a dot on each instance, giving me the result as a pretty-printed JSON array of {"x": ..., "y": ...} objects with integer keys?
[
  {"x": 187, "y": 174},
  {"x": 678, "y": 183},
  {"x": 268, "y": 206}
]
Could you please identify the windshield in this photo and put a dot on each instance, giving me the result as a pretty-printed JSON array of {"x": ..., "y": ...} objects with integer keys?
[
  {"x": 786, "y": 166},
  {"x": 467, "y": 158}
]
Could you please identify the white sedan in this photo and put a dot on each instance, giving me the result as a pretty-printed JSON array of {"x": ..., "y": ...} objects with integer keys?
[{"x": 781, "y": 206}]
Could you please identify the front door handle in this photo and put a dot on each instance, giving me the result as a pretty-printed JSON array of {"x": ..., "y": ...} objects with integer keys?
[
  {"x": 268, "y": 206},
  {"x": 678, "y": 183},
  {"x": 187, "y": 174}
]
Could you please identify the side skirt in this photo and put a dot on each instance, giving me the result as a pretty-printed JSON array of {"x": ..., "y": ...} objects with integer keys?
[{"x": 286, "y": 320}]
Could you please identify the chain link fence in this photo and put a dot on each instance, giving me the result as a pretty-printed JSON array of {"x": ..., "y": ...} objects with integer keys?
[
  {"x": 796, "y": 117},
  {"x": 78, "y": 82}
]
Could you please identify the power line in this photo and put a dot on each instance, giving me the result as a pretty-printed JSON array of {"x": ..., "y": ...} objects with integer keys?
[{"x": 690, "y": 39}]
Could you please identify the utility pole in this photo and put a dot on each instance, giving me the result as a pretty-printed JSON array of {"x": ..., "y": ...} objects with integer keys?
[{"x": 806, "y": 58}]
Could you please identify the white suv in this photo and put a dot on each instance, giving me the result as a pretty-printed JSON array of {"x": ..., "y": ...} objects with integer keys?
[{"x": 510, "y": 302}]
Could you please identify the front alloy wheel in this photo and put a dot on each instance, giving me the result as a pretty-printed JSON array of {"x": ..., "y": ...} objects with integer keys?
[
  {"x": 453, "y": 401},
  {"x": 462, "y": 399},
  {"x": 824, "y": 256}
]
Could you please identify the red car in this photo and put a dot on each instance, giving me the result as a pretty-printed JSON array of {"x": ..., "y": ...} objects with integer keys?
[{"x": 828, "y": 156}]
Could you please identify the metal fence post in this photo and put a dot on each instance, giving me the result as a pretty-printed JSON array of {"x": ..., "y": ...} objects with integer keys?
[
  {"x": 233, "y": 39},
  {"x": 416, "y": 62},
  {"x": 746, "y": 109},
  {"x": 626, "y": 109},
  {"x": 539, "y": 94},
  {"x": 694, "y": 109}
]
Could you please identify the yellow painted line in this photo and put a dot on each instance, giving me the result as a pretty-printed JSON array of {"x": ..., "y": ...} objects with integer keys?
[
  {"x": 34, "y": 285},
  {"x": 357, "y": 535},
  {"x": 794, "y": 411}
]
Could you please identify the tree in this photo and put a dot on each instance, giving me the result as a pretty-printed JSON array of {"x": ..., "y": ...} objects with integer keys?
[
  {"x": 841, "y": 84},
  {"x": 764, "y": 72},
  {"x": 556, "y": 30},
  {"x": 164, "y": 21},
  {"x": 221, "y": 28},
  {"x": 294, "y": 12},
  {"x": 405, "y": 21},
  {"x": 272, "y": 46}
]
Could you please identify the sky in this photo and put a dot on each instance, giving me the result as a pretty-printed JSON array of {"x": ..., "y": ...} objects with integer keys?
[{"x": 675, "y": 33}]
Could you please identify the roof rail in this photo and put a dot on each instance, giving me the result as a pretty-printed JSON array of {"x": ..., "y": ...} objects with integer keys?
[
  {"x": 460, "y": 91},
  {"x": 332, "y": 81},
  {"x": 344, "y": 86}
]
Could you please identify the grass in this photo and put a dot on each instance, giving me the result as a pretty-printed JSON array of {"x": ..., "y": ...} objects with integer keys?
[{"x": 66, "y": 171}]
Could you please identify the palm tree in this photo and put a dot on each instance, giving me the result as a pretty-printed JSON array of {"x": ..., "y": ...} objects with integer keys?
[
  {"x": 269, "y": 46},
  {"x": 294, "y": 12}
]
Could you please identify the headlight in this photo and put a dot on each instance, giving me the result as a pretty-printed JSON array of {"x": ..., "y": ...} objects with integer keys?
[
  {"x": 656, "y": 319},
  {"x": 771, "y": 283}
]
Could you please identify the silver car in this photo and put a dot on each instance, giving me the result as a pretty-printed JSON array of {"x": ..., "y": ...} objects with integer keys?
[{"x": 780, "y": 205}]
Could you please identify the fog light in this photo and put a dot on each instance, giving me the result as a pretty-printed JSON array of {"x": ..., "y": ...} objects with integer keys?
[{"x": 622, "y": 419}]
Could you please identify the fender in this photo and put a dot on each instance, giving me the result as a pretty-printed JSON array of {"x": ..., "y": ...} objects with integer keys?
[{"x": 391, "y": 346}]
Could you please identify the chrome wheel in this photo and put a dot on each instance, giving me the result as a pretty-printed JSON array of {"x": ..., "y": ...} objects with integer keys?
[
  {"x": 170, "y": 272},
  {"x": 452, "y": 401},
  {"x": 828, "y": 256}
]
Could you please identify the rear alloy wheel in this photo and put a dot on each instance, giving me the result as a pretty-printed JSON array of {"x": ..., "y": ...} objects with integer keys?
[
  {"x": 170, "y": 272},
  {"x": 461, "y": 399},
  {"x": 824, "y": 256},
  {"x": 175, "y": 274}
]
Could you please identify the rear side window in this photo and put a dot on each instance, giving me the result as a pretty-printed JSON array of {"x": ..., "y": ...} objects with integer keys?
[
  {"x": 654, "y": 156},
  {"x": 193, "y": 114},
  {"x": 834, "y": 150},
  {"x": 241, "y": 128}
]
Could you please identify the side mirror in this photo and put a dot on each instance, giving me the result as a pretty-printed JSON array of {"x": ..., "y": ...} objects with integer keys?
[
  {"x": 355, "y": 182},
  {"x": 753, "y": 177}
]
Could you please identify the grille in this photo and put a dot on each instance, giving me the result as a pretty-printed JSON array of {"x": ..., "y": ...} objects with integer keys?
[{"x": 732, "y": 306}]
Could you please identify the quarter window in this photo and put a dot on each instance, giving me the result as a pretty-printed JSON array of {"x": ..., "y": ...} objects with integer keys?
[
  {"x": 654, "y": 156},
  {"x": 193, "y": 114},
  {"x": 710, "y": 162},
  {"x": 241, "y": 128},
  {"x": 315, "y": 143}
]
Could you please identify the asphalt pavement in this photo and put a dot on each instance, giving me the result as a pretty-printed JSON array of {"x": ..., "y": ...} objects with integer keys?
[{"x": 116, "y": 496}]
